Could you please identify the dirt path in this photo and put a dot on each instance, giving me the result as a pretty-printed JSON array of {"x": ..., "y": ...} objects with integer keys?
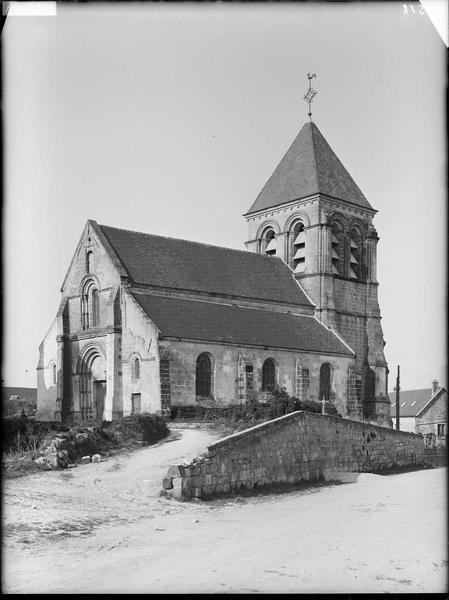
[{"x": 104, "y": 528}]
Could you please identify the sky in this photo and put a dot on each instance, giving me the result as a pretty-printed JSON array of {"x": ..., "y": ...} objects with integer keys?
[{"x": 169, "y": 119}]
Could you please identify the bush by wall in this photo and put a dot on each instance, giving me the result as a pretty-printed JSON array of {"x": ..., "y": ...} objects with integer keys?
[
  {"x": 241, "y": 415},
  {"x": 143, "y": 427}
]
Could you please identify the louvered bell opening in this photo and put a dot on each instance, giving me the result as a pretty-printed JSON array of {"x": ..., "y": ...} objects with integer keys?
[
  {"x": 353, "y": 244},
  {"x": 334, "y": 254},
  {"x": 300, "y": 266},
  {"x": 334, "y": 239},
  {"x": 352, "y": 274},
  {"x": 271, "y": 248},
  {"x": 334, "y": 269},
  {"x": 300, "y": 238},
  {"x": 353, "y": 259},
  {"x": 300, "y": 253}
]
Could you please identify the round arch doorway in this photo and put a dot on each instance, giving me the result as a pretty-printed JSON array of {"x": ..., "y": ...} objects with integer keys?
[{"x": 92, "y": 386}]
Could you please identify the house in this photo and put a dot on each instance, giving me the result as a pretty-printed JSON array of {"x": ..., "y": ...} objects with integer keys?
[
  {"x": 14, "y": 399},
  {"x": 423, "y": 411},
  {"x": 146, "y": 323}
]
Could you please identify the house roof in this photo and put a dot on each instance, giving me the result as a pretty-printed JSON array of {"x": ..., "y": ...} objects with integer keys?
[
  {"x": 183, "y": 265},
  {"x": 412, "y": 402},
  {"x": 309, "y": 166},
  {"x": 213, "y": 322}
]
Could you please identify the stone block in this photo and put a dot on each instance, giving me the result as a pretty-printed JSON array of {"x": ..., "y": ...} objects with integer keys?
[
  {"x": 167, "y": 483},
  {"x": 175, "y": 471}
]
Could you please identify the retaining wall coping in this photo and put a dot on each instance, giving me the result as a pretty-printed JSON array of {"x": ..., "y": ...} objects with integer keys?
[
  {"x": 302, "y": 414},
  {"x": 258, "y": 427}
]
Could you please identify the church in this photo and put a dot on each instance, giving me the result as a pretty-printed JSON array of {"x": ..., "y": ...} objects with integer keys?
[{"x": 148, "y": 323}]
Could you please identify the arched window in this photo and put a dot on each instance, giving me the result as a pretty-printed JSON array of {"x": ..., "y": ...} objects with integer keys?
[
  {"x": 95, "y": 308},
  {"x": 53, "y": 374},
  {"x": 89, "y": 261},
  {"x": 356, "y": 270},
  {"x": 325, "y": 382},
  {"x": 337, "y": 249},
  {"x": 268, "y": 375},
  {"x": 90, "y": 305},
  {"x": 298, "y": 248},
  {"x": 136, "y": 368},
  {"x": 268, "y": 245},
  {"x": 203, "y": 376}
]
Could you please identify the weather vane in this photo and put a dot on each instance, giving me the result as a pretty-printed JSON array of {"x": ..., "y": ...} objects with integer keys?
[{"x": 311, "y": 93}]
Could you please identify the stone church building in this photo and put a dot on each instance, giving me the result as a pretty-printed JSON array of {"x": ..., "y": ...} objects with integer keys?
[{"x": 147, "y": 323}]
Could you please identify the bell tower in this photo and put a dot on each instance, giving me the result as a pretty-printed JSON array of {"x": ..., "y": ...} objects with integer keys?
[{"x": 313, "y": 216}]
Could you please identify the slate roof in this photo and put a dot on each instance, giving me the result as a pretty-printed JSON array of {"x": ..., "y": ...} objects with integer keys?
[
  {"x": 213, "y": 322},
  {"x": 184, "y": 265},
  {"x": 411, "y": 401},
  {"x": 309, "y": 166}
]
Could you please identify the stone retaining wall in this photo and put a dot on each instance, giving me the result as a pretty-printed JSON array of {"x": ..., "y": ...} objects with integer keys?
[{"x": 300, "y": 446}]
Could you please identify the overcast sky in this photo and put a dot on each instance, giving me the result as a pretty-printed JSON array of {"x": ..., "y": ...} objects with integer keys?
[{"x": 169, "y": 119}]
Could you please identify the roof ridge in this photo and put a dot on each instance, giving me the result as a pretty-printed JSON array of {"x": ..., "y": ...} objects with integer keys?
[
  {"x": 414, "y": 390},
  {"x": 271, "y": 177},
  {"x": 315, "y": 168},
  {"x": 167, "y": 237}
]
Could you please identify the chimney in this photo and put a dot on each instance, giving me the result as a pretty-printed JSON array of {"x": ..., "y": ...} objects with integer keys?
[{"x": 434, "y": 386}]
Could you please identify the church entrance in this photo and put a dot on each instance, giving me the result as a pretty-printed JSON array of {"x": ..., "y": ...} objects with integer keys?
[
  {"x": 99, "y": 396},
  {"x": 92, "y": 387}
]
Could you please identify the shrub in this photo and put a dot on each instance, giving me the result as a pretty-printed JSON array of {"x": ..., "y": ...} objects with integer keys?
[
  {"x": 143, "y": 427},
  {"x": 26, "y": 434}
]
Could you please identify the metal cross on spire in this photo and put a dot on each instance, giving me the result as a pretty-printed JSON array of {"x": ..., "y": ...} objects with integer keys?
[{"x": 311, "y": 93}]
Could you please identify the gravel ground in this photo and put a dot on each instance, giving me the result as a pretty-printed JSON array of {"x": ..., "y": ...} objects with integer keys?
[{"x": 103, "y": 528}]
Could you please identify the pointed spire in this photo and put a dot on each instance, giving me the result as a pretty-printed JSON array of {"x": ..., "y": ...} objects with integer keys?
[{"x": 310, "y": 166}]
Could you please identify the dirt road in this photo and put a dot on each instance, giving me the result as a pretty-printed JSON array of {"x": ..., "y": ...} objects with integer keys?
[{"x": 104, "y": 528}]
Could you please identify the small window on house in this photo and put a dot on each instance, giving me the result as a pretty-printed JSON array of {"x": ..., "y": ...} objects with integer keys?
[
  {"x": 268, "y": 375},
  {"x": 53, "y": 374},
  {"x": 136, "y": 368},
  {"x": 441, "y": 429},
  {"x": 203, "y": 376}
]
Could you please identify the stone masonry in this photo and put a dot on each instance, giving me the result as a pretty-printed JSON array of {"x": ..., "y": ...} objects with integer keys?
[{"x": 297, "y": 447}]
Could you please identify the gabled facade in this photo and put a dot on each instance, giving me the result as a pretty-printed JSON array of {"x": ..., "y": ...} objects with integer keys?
[
  {"x": 148, "y": 323},
  {"x": 423, "y": 411},
  {"x": 313, "y": 216}
]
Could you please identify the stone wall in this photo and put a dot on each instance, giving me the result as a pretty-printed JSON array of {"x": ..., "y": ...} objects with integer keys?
[
  {"x": 301, "y": 446},
  {"x": 227, "y": 364}
]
